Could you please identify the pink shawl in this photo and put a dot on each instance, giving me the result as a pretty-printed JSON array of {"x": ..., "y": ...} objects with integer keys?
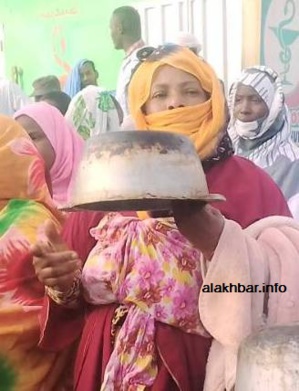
[
  {"x": 267, "y": 252},
  {"x": 66, "y": 142}
]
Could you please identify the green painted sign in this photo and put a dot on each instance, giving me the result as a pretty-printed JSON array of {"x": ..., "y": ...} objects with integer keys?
[{"x": 44, "y": 37}]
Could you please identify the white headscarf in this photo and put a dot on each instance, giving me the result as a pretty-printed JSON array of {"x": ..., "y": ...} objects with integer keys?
[
  {"x": 92, "y": 111},
  {"x": 12, "y": 98},
  {"x": 184, "y": 38},
  {"x": 265, "y": 140}
]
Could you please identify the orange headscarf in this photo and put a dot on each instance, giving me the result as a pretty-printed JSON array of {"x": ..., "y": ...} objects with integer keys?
[
  {"x": 203, "y": 123},
  {"x": 22, "y": 169}
]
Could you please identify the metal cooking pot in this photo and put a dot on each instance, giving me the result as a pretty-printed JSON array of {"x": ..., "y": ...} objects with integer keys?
[
  {"x": 138, "y": 170},
  {"x": 268, "y": 360}
]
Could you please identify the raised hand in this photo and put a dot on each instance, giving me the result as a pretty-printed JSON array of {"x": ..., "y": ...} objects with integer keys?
[{"x": 55, "y": 265}]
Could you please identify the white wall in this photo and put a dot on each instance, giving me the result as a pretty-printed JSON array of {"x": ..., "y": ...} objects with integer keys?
[
  {"x": 2, "y": 59},
  {"x": 216, "y": 23}
]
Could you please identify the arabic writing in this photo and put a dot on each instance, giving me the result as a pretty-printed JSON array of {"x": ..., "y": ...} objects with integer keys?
[{"x": 59, "y": 12}]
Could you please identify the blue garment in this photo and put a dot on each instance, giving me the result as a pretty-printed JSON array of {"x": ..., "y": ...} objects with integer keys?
[{"x": 73, "y": 82}]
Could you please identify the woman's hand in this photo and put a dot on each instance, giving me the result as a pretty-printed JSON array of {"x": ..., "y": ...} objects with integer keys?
[
  {"x": 200, "y": 223},
  {"x": 55, "y": 266}
]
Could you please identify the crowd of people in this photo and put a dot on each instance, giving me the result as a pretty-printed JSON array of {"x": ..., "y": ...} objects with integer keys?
[{"x": 114, "y": 301}]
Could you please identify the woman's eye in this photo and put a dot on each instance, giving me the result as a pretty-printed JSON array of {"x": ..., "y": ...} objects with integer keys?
[
  {"x": 34, "y": 136},
  {"x": 192, "y": 92},
  {"x": 159, "y": 95}
]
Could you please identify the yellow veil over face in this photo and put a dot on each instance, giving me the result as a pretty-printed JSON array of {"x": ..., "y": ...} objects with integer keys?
[
  {"x": 203, "y": 123},
  {"x": 22, "y": 169}
]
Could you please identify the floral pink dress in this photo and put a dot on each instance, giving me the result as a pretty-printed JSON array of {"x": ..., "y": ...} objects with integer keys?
[{"x": 148, "y": 266}]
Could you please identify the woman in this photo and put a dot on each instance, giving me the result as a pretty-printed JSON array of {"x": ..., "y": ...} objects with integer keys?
[
  {"x": 131, "y": 337},
  {"x": 61, "y": 148},
  {"x": 83, "y": 74},
  {"x": 93, "y": 111},
  {"x": 25, "y": 205},
  {"x": 57, "y": 142},
  {"x": 260, "y": 128}
]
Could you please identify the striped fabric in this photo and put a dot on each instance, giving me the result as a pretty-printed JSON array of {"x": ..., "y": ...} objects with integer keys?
[
  {"x": 271, "y": 148},
  {"x": 274, "y": 137}
]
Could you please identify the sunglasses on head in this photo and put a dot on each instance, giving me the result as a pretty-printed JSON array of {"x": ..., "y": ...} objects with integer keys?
[{"x": 152, "y": 54}]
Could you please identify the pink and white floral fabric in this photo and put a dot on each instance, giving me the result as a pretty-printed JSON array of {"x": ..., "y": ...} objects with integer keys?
[{"x": 152, "y": 269}]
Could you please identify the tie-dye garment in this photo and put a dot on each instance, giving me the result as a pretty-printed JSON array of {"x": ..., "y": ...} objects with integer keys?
[
  {"x": 25, "y": 205},
  {"x": 153, "y": 270}
]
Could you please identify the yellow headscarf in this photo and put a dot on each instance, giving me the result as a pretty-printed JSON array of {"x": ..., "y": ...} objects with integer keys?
[
  {"x": 22, "y": 169},
  {"x": 203, "y": 123}
]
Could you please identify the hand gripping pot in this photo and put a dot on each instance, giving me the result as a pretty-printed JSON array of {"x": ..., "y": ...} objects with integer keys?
[{"x": 138, "y": 170}]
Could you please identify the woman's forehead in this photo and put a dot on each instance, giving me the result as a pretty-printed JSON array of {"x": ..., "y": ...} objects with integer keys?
[
  {"x": 29, "y": 123},
  {"x": 86, "y": 67},
  {"x": 167, "y": 74},
  {"x": 244, "y": 90}
]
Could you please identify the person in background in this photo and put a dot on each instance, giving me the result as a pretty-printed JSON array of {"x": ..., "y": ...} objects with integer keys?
[
  {"x": 261, "y": 131},
  {"x": 125, "y": 29},
  {"x": 12, "y": 98},
  {"x": 25, "y": 206},
  {"x": 61, "y": 148},
  {"x": 187, "y": 40},
  {"x": 83, "y": 74},
  {"x": 94, "y": 111},
  {"x": 58, "y": 99},
  {"x": 44, "y": 85},
  {"x": 56, "y": 141}
]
